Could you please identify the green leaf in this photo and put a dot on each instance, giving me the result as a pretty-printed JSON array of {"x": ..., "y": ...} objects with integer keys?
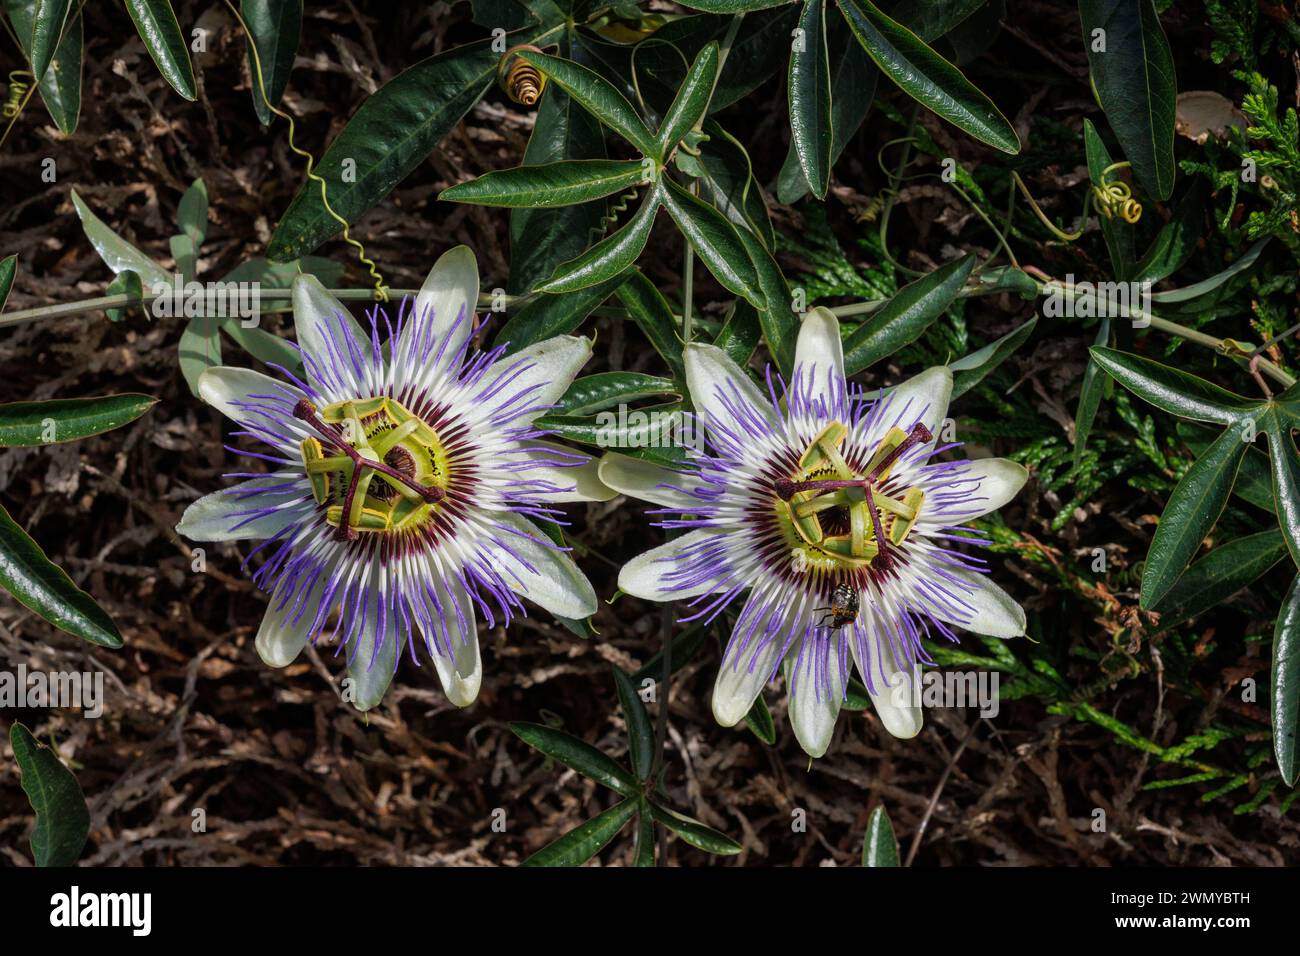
[
  {"x": 585, "y": 840},
  {"x": 192, "y": 213},
  {"x": 549, "y": 315},
  {"x": 740, "y": 334},
  {"x": 118, "y": 254},
  {"x": 970, "y": 370},
  {"x": 645, "y": 855},
  {"x": 392, "y": 133},
  {"x": 726, "y": 179},
  {"x": 1173, "y": 390},
  {"x": 155, "y": 21},
  {"x": 1205, "y": 286},
  {"x": 1254, "y": 479},
  {"x": 264, "y": 346},
  {"x": 1117, "y": 233},
  {"x": 276, "y": 28},
  {"x": 185, "y": 256},
  {"x": 1284, "y": 686},
  {"x": 714, "y": 240},
  {"x": 906, "y": 315},
  {"x": 199, "y": 349},
  {"x": 595, "y": 393},
  {"x": 652, "y": 314},
  {"x": 695, "y": 833},
  {"x": 553, "y": 184},
  {"x": 1286, "y": 479},
  {"x": 1090, "y": 394},
  {"x": 60, "y": 85},
  {"x": 640, "y": 736},
  {"x": 1134, "y": 81},
  {"x": 43, "y": 588},
  {"x": 610, "y": 257},
  {"x": 733, "y": 6},
  {"x": 927, "y": 77},
  {"x": 690, "y": 103},
  {"x": 127, "y": 283},
  {"x": 1177, "y": 239},
  {"x": 1221, "y": 574},
  {"x": 48, "y": 18},
  {"x": 280, "y": 275},
  {"x": 776, "y": 314},
  {"x": 879, "y": 846},
  {"x": 1193, "y": 508},
  {"x": 62, "y": 819},
  {"x": 597, "y": 96},
  {"x": 759, "y": 720},
  {"x": 649, "y": 429},
  {"x": 26, "y": 424},
  {"x": 809, "y": 85},
  {"x": 8, "y": 269},
  {"x": 578, "y": 755}
]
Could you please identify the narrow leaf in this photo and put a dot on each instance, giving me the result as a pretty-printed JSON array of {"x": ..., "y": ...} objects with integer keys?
[
  {"x": 60, "y": 83},
  {"x": 553, "y": 184},
  {"x": 576, "y": 754},
  {"x": 759, "y": 720},
  {"x": 969, "y": 370},
  {"x": 1221, "y": 574},
  {"x": 1205, "y": 286},
  {"x": 610, "y": 257},
  {"x": 1284, "y": 686},
  {"x": 48, "y": 18},
  {"x": 276, "y": 28},
  {"x": 8, "y": 269},
  {"x": 598, "y": 96},
  {"x": 652, "y": 314},
  {"x": 585, "y": 840},
  {"x": 714, "y": 240},
  {"x": 640, "y": 736},
  {"x": 810, "y": 98},
  {"x": 30, "y": 424},
  {"x": 155, "y": 21},
  {"x": 879, "y": 846},
  {"x": 62, "y": 819},
  {"x": 192, "y": 213},
  {"x": 906, "y": 315},
  {"x": 595, "y": 393},
  {"x": 118, "y": 254},
  {"x": 1286, "y": 479},
  {"x": 549, "y": 315},
  {"x": 1173, "y": 390},
  {"x": 691, "y": 102},
  {"x": 1090, "y": 395},
  {"x": 695, "y": 833}
]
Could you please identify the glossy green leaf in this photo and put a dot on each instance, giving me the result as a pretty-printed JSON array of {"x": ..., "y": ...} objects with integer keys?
[
  {"x": 264, "y": 346},
  {"x": 908, "y": 313},
  {"x": 1192, "y": 510},
  {"x": 62, "y": 819},
  {"x": 1254, "y": 478},
  {"x": 199, "y": 349},
  {"x": 578, "y": 755},
  {"x": 740, "y": 334},
  {"x": 691, "y": 102},
  {"x": 192, "y": 213},
  {"x": 595, "y": 393},
  {"x": 185, "y": 255},
  {"x": 645, "y": 853},
  {"x": 809, "y": 86},
  {"x": 969, "y": 370},
  {"x": 695, "y": 833},
  {"x": 1177, "y": 239},
  {"x": 640, "y": 735},
  {"x": 652, "y": 314},
  {"x": 733, "y": 6},
  {"x": 686, "y": 645},
  {"x": 1091, "y": 393},
  {"x": 1117, "y": 233},
  {"x": 714, "y": 239},
  {"x": 118, "y": 254},
  {"x": 651, "y": 429},
  {"x": 1206, "y": 286},
  {"x": 276, "y": 28},
  {"x": 127, "y": 283},
  {"x": 598, "y": 96},
  {"x": 610, "y": 257},
  {"x": 1284, "y": 686},
  {"x": 48, "y": 18},
  {"x": 1286, "y": 479},
  {"x": 726, "y": 180},
  {"x": 155, "y": 21},
  {"x": 934, "y": 18},
  {"x": 879, "y": 846},
  {"x": 1173, "y": 390},
  {"x": 759, "y": 720},
  {"x": 31, "y": 424},
  {"x": 776, "y": 314},
  {"x": 43, "y": 588},
  {"x": 1133, "y": 74},
  {"x": 553, "y": 184},
  {"x": 60, "y": 84},
  {"x": 927, "y": 77},
  {"x": 549, "y": 315},
  {"x": 8, "y": 269},
  {"x": 585, "y": 840},
  {"x": 392, "y": 133},
  {"x": 1221, "y": 574}
]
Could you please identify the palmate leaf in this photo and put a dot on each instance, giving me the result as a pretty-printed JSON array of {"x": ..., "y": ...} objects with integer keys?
[
  {"x": 927, "y": 77},
  {"x": 1134, "y": 79},
  {"x": 62, "y": 819},
  {"x": 564, "y": 183}
]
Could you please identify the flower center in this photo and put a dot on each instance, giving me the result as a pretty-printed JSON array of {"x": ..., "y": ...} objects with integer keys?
[
  {"x": 835, "y": 518},
  {"x": 376, "y": 467}
]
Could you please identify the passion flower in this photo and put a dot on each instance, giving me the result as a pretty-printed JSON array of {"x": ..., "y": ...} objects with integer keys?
[
  {"x": 404, "y": 479},
  {"x": 829, "y": 509}
]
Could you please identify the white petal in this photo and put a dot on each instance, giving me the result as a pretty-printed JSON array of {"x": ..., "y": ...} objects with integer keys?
[
  {"x": 331, "y": 338},
  {"x": 715, "y": 381},
  {"x": 284, "y": 631},
  {"x": 372, "y": 672},
  {"x": 222, "y": 515},
  {"x": 657, "y": 574},
  {"x": 461, "y": 671},
  {"x": 992, "y": 610},
  {"x": 534, "y": 569},
  {"x": 893, "y": 689},
  {"x": 580, "y": 481},
  {"x": 820, "y": 353},
  {"x": 647, "y": 481},
  {"x": 450, "y": 288},
  {"x": 223, "y": 386},
  {"x": 750, "y": 661},
  {"x": 924, "y": 396},
  {"x": 816, "y": 693},
  {"x": 991, "y": 483},
  {"x": 534, "y": 377}
]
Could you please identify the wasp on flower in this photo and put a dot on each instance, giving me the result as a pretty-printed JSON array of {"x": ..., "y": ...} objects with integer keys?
[
  {"x": 830, "y": 508},
  {"x": 404, "y": 479}
]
